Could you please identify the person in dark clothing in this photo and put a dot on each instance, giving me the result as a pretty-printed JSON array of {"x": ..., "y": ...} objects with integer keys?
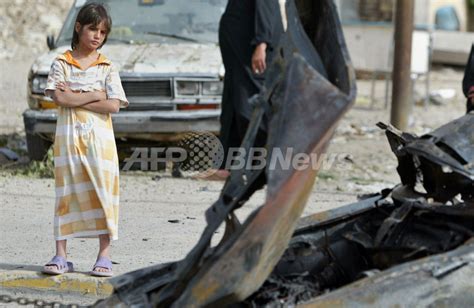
[
  {"x": 468, "y": 81},
  {"x": 248, "y": 33}
]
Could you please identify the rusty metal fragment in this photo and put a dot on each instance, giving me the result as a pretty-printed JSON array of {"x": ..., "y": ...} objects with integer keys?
[
  {"x": 309, "y": 87},
  {"x": 400, "y": 247},
  {"x": 407, "y": 245},
  {"x": 442, "y": 161}
]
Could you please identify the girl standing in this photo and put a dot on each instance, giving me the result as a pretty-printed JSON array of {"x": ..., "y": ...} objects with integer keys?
[{"x": 87, "y": 89}]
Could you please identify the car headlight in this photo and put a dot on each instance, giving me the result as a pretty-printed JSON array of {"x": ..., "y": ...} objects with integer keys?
[
  {"x": 212, "y": 88},
  {"x": 38, "y": 84},
  {"x": 187, "y": 88}
]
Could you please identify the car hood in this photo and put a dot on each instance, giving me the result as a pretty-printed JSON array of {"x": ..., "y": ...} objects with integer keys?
[{"x": 146, "y": 59}]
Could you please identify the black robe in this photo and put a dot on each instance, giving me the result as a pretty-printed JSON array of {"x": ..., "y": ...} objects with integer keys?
[
  {"x": 468, "y": 81},
  {"x": 244, "y": 25}
]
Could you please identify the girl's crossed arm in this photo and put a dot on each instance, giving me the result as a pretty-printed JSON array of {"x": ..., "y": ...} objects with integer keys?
[
  {"x": 103, "y": 106},
  {"x": 65, "y": 97},
  {"x": 95, "y": 101}
]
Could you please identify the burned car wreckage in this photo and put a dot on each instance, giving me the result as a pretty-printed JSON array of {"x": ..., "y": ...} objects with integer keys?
[{"x": 412, "y": 244}]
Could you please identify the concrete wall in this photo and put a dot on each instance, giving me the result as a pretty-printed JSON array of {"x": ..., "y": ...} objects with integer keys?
[
  {"x": 452, "y": 47},
  {"x": 370, "y": 44},
  {"x": 371, "y": 47}
]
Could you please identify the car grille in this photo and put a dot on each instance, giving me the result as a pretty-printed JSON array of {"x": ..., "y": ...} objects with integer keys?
[{"x": 153, "y": 88}]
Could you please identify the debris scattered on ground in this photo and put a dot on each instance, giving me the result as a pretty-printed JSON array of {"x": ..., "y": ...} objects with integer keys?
[
  {"x": 442, "y": 96},
  {"x": 360, "y": 187},
  {"x": 13, "y": 152},
  {"x": 41, "y": 169},
  {"x": 395, "y": 227},
  {"x": 400, "y": 231},
  {"x": 9, "y": 154}
]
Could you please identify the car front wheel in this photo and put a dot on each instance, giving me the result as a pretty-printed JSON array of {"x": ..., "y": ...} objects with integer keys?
[{"x": 37, "y": 146}]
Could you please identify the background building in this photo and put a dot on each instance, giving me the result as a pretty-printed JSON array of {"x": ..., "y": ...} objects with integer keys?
[
  {"x": 441, "y": 14},
  {"x": 369, "y": 29}
]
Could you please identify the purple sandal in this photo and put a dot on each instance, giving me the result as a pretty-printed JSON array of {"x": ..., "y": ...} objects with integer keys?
[
  {"x": 102, "y": 262},
  {"x": 62, "y": 266}
]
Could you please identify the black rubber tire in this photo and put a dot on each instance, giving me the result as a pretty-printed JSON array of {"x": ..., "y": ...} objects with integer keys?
[{"x": 37, "y": 146}]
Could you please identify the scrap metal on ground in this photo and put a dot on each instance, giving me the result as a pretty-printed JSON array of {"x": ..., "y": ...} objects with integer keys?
[
  {"x": 409, "y": 244},
  {"x": 308, "y": 88}
]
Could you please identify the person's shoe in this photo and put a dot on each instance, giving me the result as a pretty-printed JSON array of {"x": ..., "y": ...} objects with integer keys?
[
  {"x": 105, "y": 263},
  {"x": 62, "y": 266}
]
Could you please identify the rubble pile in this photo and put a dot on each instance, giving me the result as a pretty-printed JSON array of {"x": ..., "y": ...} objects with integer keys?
[
  {"x": 429, "y": 213},
  {"x": 25, "y": 24}
]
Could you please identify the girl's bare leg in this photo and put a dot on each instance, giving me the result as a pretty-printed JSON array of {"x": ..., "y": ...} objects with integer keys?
[
  {"x": 60, "y": 251},
  {"x": 61, "y": 248},
  {"x": 104, "y": 249}
]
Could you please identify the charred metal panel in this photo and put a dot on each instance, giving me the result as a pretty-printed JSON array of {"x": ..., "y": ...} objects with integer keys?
[
  {"x": 437, "y": 281},
  {"x": 327, "y": 255},
  {"x": 402, "y": 247},
  {"x": 442, "y": 161},
  {"x": 458, "y": 135},
  {"x": 306, "y": 92}
]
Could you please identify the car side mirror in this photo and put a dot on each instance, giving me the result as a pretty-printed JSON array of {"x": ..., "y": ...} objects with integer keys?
[{"x": 50, "y": 41}]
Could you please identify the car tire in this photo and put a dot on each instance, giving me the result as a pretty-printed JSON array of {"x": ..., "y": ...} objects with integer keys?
[{"x": 37, "y": 146}]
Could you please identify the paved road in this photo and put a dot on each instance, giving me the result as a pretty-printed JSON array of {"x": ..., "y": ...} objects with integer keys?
[{"x": 146, "y": 236}]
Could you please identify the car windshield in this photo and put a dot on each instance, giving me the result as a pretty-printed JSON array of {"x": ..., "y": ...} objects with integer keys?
[{"x": 155, "y": 21}]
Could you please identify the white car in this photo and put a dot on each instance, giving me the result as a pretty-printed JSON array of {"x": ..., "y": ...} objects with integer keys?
[{"x": 170, "y": 65}]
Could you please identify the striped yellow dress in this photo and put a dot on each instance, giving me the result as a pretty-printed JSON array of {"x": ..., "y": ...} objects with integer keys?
[{"x": 85, "y": 154}]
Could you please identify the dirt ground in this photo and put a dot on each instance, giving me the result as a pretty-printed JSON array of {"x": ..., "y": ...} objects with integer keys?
[{"x": 162, "y": 217}]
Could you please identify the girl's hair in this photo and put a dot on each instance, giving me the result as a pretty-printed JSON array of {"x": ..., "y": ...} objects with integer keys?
[{"x": 92, "y": 14}]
